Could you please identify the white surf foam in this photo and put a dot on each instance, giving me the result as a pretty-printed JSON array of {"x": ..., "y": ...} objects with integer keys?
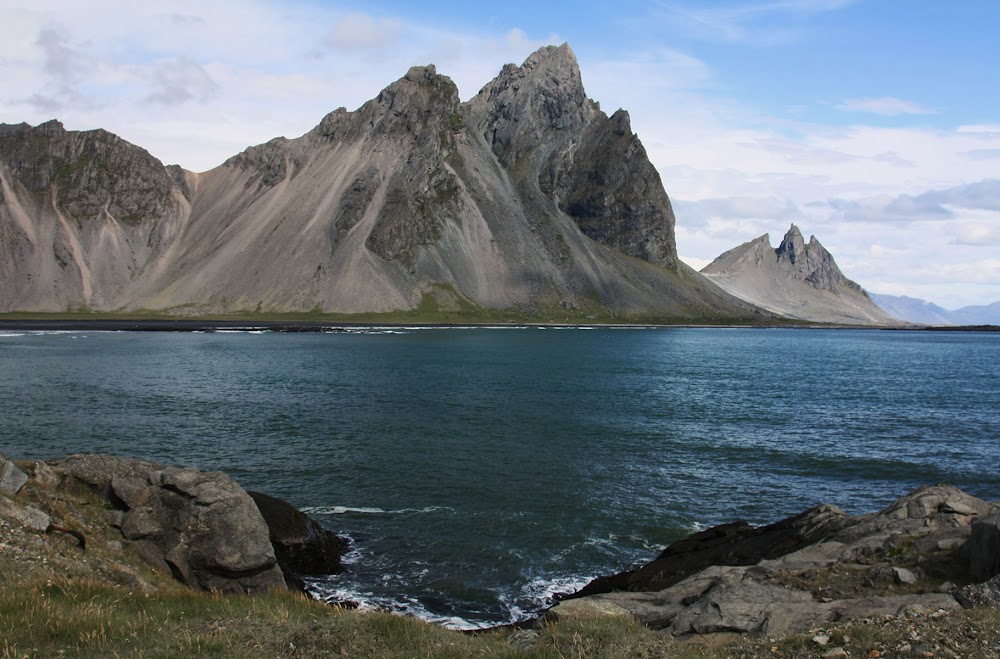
[
  {"x": 533, "y": 597},
  {"x": 344, "y": 510}
]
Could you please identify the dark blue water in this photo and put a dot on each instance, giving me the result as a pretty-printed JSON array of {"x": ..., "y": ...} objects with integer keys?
[{"x": 481, "y": 470}]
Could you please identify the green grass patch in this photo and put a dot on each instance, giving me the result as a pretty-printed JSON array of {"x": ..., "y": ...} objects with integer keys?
[{"x": 89, "y": 619}]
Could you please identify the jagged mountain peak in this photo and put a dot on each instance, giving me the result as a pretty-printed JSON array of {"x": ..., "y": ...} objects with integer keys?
[
  {"x": 421, "y": 102},
  {"x": 812, "y": 262},
  {"x": 542, "y": 128},
  {"x": 539, "y": 100},
  {"x": 798, "y": 279},
  {"x": 547, "y": 66},
  {"x": 552, "y": 55},
  {"x": 792, "y": 247},
  {"x": 553, "y": 66},
  {"x": 753, "y": 252}
]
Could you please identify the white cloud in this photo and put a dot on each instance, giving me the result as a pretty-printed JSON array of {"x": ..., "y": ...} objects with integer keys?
[
  {"x": 982, "y": 233},
  {"x": 982, "y": 130},
  {"x": 181, "y": 80},
  {"x": 982, "y": 197},
  {"x": 756, "y": 23},
  {"x": 739, "y": 208},
  {"x": 661, "y": 72},
  {"x": 695, "y": 263},
  {"x": 983, "y": 154},
  {"x": 65, "y": 63},
  {"x": 187, "y": 19},
  {"x": 886, "y": 106},
  {"x": 358, "y": 32}
]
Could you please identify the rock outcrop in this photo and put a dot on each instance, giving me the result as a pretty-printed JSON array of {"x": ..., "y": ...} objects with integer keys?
[
  {"x": 301, "y": 546},
  {"x": 733, "y": 544},
  {"x": 797, "y": 280},
  {"x": 12, "y": 479},
  {"x": 527, "y": 198},
  {"x": 984, "y": 548},
  {"x": 809, "y": 570},
  {"x": 200, "y": 526},
  {"x": 553, "y": 139}
]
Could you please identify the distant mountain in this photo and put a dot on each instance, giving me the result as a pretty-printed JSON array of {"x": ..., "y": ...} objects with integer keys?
[
  {"x": 526, "y": 197},
  {"x": 913, "y": 310},
  {"x": 978, "y": 315},
  {"x": 927, "y": 313},
  {"x": 797, "y": 280}
]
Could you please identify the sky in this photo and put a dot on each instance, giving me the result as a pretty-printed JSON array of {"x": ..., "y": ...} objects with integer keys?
[{"x": 872, "y": 124}]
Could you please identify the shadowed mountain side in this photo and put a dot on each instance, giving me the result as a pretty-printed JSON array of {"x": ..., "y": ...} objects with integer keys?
[
  {"x": 526, "y": 197},
  {"x": 797, "y": 280}
]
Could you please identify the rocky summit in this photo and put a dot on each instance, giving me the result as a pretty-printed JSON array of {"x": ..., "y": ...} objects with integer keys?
[
  {"x": 527, "y": 197},
  {"x": 797, "y": 280}
]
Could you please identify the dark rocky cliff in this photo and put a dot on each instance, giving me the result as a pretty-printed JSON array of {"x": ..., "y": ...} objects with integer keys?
[
  {"x": 87, "y": 173},
  {"x": 550, "y": 136}
]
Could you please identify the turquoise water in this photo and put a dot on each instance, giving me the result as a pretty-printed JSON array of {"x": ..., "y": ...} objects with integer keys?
[{"x": 480, "y": 471}]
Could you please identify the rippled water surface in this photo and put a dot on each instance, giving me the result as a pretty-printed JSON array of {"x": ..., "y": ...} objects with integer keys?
[{"x": 481, "y": 470}]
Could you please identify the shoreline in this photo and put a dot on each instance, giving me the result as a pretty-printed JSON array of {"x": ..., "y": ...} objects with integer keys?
[
  {"x": 863, "y": 584},
  {"x": 319, "y": 326}
]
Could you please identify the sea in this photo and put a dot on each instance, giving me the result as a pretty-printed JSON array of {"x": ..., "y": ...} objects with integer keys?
[{"x": 482, "y": 472}]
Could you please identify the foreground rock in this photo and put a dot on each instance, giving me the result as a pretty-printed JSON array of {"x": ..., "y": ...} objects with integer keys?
[
  {"x": 809, "y": 570},
  {"x": 202, "y": 527},
  {"x": 301, "y": 545},
  {"x": 12, "y": 479}
]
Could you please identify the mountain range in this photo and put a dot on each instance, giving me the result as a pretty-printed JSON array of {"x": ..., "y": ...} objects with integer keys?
[
  {"x": 797, "y": 280},
  {"x": 527, "y": 197},
  {"x": 914, "y": 310}
]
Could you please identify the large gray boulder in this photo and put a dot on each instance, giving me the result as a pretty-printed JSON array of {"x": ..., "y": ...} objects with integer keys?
[
  {"x": 27, "y": 516},
  {"x": 984, "y": 548},
  {"x": 12, "y": 479},
  {"x": 200, "y": 526},
  {"x": 985, "y": 595}
]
